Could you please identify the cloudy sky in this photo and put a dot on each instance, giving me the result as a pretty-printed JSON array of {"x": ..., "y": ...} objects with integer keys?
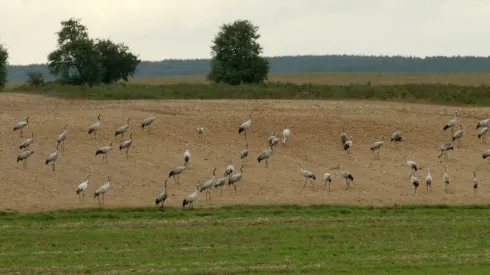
[{"x": 161, "y": 29}]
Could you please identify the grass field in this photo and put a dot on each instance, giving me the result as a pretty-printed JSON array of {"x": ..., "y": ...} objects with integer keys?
[
  {"x": 243, "y": 240},
  {"x": 464, "y": 79}
]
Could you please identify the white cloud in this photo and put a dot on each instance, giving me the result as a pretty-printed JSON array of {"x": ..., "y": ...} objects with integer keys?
[{"x": 157, "y": 29}]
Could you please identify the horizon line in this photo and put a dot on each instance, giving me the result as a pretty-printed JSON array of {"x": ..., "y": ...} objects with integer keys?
[{"x": 299, "y": 55}]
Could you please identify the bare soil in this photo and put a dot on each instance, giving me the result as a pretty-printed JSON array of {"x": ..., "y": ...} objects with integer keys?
[{"x": 314, "y": 143}]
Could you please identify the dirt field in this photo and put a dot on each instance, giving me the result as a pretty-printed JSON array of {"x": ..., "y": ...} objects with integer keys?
[{"x": 314, "y": 143}]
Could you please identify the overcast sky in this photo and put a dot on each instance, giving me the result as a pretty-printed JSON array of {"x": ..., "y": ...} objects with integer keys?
[{"x": 161, "y": 29}]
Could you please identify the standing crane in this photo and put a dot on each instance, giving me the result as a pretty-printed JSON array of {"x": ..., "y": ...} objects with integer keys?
[
  {"x": 52, "y": 157},
  {"x": 200, "y": 132},
  {"x": 24, "y": 155},
  {"x": 61, "y": 138},
  {"x": 208, "y": 185},
  {"x": 265, "y": 155},
  {"x": 327, "y": 178},
  {"x": 475, "y": 183},
  {"x": 187, "y": 154},
  {"x": 162, "y": 197},
  {"x": 191, "y": 198},
  {"x": 415, "y": 181},
  {"x": 451, "y": 123},
  {"x": 21, "y": 125},
  {"x": 307, "y": 175},
  {"x": 285, "y": 135},
  {"x": 27, "y": 143},
  {"x": 397, "y": 138},
  {"x": 445, "y": 178},
  {"x": 147, "y": 123},
  {"x": 482, "y": 123},
  {"x": 483, "y": 133},
  {"x": 348, "y": 145},
  {"x": 229, "y": 169},
  {"x": 376, "y": 146},
  {"x": 121, "y": 130},
  {"x": 486, "y": 155},
  {"x": 82, "y": 187},
  {"x": 244, "y": 127},
  {"x": 244, "y": 154},
  {"x": 126, "y": 144},
  {"x": 103, "y": 151},
  {"x": 94, "y": 128},
  {"x": 236, "y": 178},
  {"x": 428, "y": 179},
  {"x": 346, "y": 175},
  {"x": 458, "y": 135},
  {"x": 444, "y": 149},
  {"x": 343, "y": 137},
  {"x": 176, "y": 172},
  {"x": 103, "y": 189}
]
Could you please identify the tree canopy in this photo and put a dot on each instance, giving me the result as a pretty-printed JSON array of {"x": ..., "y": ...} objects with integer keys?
[
  {"x": 4, "y": 55},
  {"x": 236, "y": 55},
  {"x": 79, "y": 59}
]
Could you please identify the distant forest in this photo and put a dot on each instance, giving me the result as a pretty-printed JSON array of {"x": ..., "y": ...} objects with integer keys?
[{"x": 298, "y": 64}]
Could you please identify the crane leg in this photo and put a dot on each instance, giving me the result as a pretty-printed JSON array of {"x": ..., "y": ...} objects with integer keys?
[
  {"x": 83, "y": 196},
  {"x": 305, "y": 183},
  {"x": 98, "y": 199},
  {"x": 53, "y": 167},
  {"x": 209, "y": 193},
  {"x": 266, "y": 164},
  {"x": 25, "y": 163},
  {"x": 312, "y": 184},
  {"x": 127, "y": 152},
  {"x": 149, "y": 127},
  {"x": 20, "y": 133},
  {"x": 234, "y": 187},
  {"x": 79, "y": 197},
  {"x": 103, "y": 195}
]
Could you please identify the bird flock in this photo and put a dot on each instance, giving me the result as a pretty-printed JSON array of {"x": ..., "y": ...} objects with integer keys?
[{"x": 230, "y": 177}]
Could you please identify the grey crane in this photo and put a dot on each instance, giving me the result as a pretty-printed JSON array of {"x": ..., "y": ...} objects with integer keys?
[
  {"x": 376, "y": 146},
  {"x": 445, "y": 178},
  {"x": 121, "y": 130},
  {"x": 24, "y": 155},
  {"x": 244, "y": 154},
  {"x": 412, "y": 164},
  {"x": 235, "y": 178},
  {"x": 208, "y": 185},
  {"x": 126, "y": 144},
  {"x": 451, "y": 123},
  {"x": 103, "y": 151},
  {"x": 458, "y": 135},
  {"x": 244, "y": 126},
  {"x": 415, "y": 181},
  {"x": 285, "y": 135},
  {"x": 343, "y": 137},
  {"x": 62, "y": 137},
  {"x": 147, "y": 123},
  {"x": 483, "y": 133},
  {"x": 397, "y": 138},
  {"x": 348, "y": 145},
  {"x": 307, "y": 175},
  {"x": 229, "y": 169},
  {"x": 176, "y": 172},
  {"x": 482, "y": 123},
  {"x": 103, "y": 189},
  {"x": 428, "y": 179},
  {"x": 21, "y": 125},
  {"x": 265, "y": 155},
  {"x": 191, "y": 198},
  {"x": 444, "y": 149},
  {"x": 162, "y": 197},
  {"x": 82, "y": 187},
  {"x": 94, "y": 128},
  {"x": 220, "y": 183},
  {"x": 52, "y": 157},
  {"x": 475, "y": 183},
  {"x": 327, "y": 178},
  {"x": 200, "y": 132},
  {"x": 274, "y": 141},
  {"x": 346, "y": 175},
  {"x": 187, "y": 154},
  {"x": 486, "y": 155},
  {"x": 27, "y": 143}
]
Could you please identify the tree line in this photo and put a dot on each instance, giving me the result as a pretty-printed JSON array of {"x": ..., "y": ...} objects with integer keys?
[
  {"x": 298, "y": 64},
  {"x": 236, "y": 58}
]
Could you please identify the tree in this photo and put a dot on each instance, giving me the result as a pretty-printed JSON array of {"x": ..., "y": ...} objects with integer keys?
[
  {"x": 236, "y": 55},
  {"x": 81, "y": 60},
  {"x": 4, "y": 55},
  {"x": 35, "y": 78},
  {"x": 118, "y": 62}
]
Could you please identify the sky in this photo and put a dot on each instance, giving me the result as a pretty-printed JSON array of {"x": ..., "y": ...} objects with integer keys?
[{"x": 181, "y": 29}]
